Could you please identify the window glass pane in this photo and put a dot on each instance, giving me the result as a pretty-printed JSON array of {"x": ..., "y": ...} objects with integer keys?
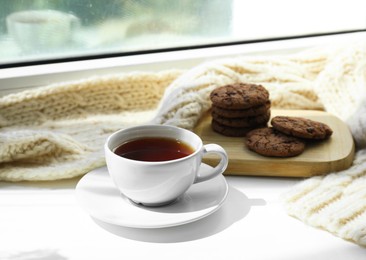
[{"x": 34, "y": 30}]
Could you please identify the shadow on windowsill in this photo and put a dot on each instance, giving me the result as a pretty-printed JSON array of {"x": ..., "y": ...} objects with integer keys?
[{"x": 235, "y": 208}]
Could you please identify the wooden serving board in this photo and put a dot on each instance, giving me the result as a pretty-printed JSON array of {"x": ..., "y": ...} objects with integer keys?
[{"x": 333, "y": 154}]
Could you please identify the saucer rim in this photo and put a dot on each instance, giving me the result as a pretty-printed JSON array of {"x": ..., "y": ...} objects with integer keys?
[{"x": 154, "y": 226}]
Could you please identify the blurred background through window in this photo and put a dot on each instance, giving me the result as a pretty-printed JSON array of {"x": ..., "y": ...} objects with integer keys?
[{"x": 40, "y": 30}]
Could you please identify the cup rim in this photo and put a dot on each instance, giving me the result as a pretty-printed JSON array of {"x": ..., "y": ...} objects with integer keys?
[{"x": 109, "y": 150}]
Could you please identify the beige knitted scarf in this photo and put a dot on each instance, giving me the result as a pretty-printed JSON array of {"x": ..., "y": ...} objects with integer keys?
[{"x": 58, "y": 131}]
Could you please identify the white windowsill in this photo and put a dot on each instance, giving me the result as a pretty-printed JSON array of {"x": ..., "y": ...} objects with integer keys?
[{"x": 45, "y": 221}]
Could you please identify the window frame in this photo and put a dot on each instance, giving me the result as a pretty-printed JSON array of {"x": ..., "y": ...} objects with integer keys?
[{"x": 22, "y": 77}]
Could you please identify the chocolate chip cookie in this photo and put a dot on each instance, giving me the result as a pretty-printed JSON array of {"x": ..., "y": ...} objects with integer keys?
[
  {"x": 231, "y": 131},
  {"x": 270, "y": 142},
  {"x": 243, "y": 121},
  {"x": 236, "y": 113},
  {"x": 301, "y": 127},
  {"x": 239, "y": 96}
]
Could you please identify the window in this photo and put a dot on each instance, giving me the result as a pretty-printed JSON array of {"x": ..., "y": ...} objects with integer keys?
[{"x": 40, "y": 31}]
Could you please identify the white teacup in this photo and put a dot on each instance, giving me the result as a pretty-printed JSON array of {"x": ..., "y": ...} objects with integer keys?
[
  {"x": 41, "y": 30},
  {"x": 155, "y": 183}
]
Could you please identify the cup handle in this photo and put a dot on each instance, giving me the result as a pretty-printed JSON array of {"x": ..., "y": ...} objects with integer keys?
[{"x": 220, "y": 167}]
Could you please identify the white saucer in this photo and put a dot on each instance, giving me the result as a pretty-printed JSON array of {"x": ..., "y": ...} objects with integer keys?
[{"x": 97, "y": 194}]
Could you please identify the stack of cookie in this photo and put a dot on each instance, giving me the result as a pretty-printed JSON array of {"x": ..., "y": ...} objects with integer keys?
[{"x": 239, "y": 108}]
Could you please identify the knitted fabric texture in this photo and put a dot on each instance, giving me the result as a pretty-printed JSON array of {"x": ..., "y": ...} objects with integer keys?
[
  {"x": 337, "y": 202},
  {"x": 58, "y": 131}
]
